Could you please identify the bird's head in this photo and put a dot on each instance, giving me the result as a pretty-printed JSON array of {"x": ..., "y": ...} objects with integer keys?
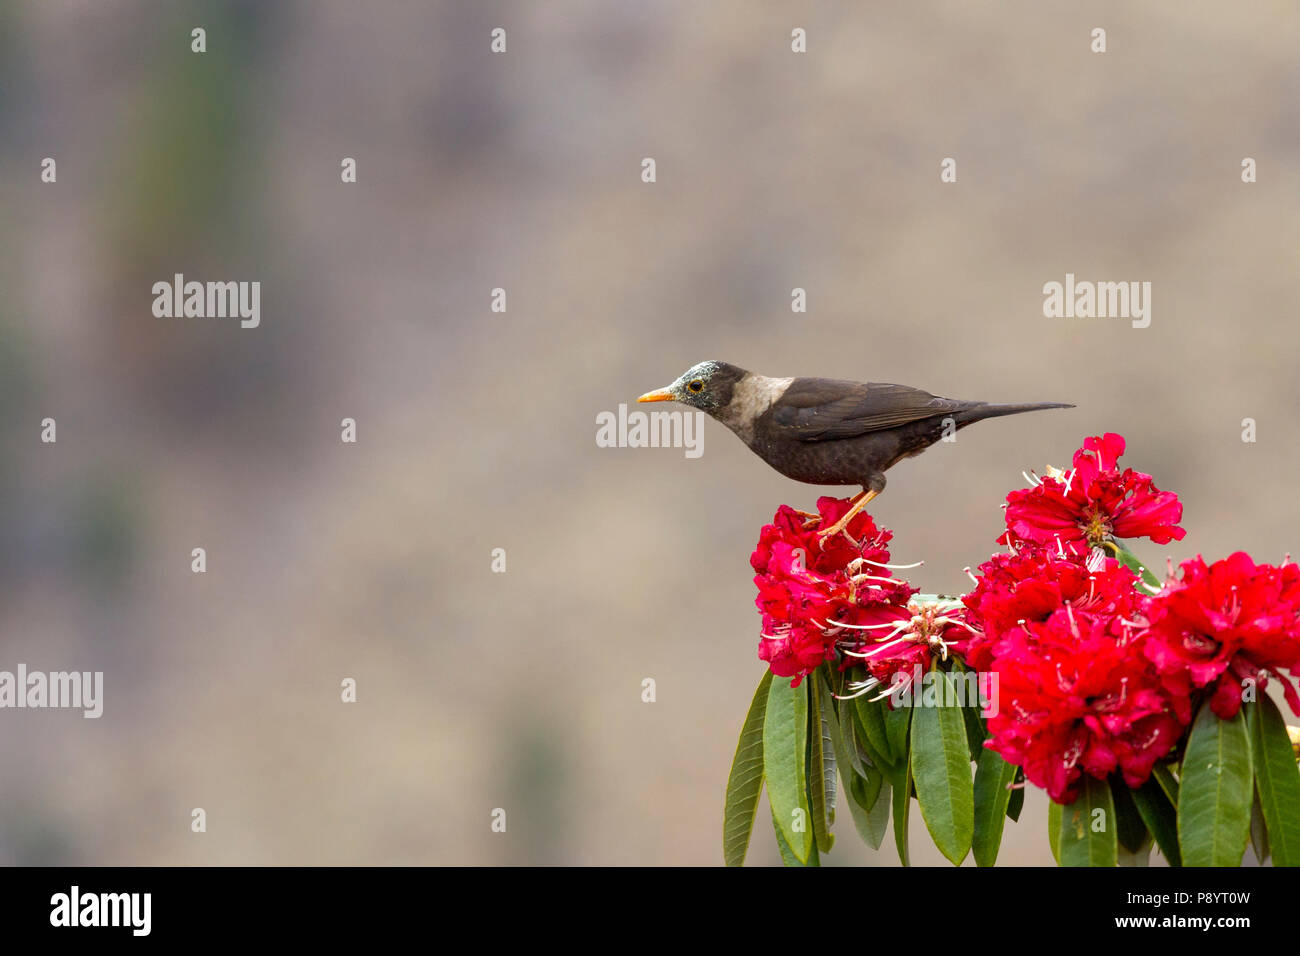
[{"x": 706, "y": 386}]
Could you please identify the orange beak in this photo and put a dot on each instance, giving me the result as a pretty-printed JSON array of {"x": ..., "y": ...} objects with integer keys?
[{"x": 658, "y": 395}]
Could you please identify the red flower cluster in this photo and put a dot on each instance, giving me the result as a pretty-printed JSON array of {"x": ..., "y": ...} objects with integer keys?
[
  {"x": 1224, "y": 625},
  {"x": 810, "y": 589},
  {"x": 1075, "y": 692},
  {"x": 1091, "y": 503},
  {"x": 1094, "y": 674},
  {"x": 1026, "y": 588}
]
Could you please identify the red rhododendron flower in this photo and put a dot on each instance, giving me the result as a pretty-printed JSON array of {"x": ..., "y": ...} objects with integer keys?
[
  {"x": 1015, "y": 590},
  {"x": 1226, "y": 623},
  {"x": 1075, "y": 693},
  {"x": 1092, "y": 502},
  {"x": 909, "y": 636},
  {"x": 1073, "y": 698},
  {"x": 810, "y": 587}
]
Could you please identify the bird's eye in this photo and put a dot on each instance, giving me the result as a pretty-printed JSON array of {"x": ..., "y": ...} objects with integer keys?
[{"x": 696, "y": 386}]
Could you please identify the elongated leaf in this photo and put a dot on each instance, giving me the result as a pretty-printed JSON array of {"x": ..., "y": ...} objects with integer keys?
[
  {"x": 830, "y": 731},
  {"x": 897, "y": 724},
  {"x": 941, "y": 772},
  {"x": 1130, "y": 560},
  {"x": 872, "y": 783},
  {"x": 785, "y": 743},
  {"x": 848, "y": 755},
  {"x": 1277, "y": 781},
  {"x": 1134, "y": 840},
  {"x": 1054, "y": 830},
  {"x": 1017, "y": 802},
  {"x": 1161, "y": 818},
  {"x": 975, "y": 733},
  {"x": 821, "y": 763},
  {"x": 878, "y": 816},
  {"x": 1258, "y": 826},
  {"x": 1215, "y": 791},
  {"x": 787, "y": 855},
  {"x": 1131, "y": 829},
  {"x": 902, "y": 805},
  {"x": 1162, "y": 775},
  {"x": 871, "y": 723},
  {"x": 848, "y": 752},
  {"x": 745, "y": 782},
  {"x": 1088, "y": 827},
  {"x": 868, "y": 800},
  {"x": 1258, "y": 830},
  {"x": 975, "y": 730},
  {"x": 993, "y": 780}
]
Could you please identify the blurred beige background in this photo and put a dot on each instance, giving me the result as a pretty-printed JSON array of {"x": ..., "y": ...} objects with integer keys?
[{"x": 477, "y": 430}]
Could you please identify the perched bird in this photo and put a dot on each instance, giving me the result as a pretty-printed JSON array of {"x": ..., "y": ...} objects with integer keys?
[{"x": 825, "y": 431}]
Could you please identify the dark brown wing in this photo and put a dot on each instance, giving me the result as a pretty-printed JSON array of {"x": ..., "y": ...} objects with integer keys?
[{"x": 823, "y": 409}]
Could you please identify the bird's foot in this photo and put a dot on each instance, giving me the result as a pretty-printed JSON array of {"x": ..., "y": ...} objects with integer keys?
[
  {"x": 810, "y": 520},
  {"x": 839, "y": 526}
]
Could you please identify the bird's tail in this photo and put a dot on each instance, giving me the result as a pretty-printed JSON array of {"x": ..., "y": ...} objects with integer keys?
[{"x": 977, "y": 413}]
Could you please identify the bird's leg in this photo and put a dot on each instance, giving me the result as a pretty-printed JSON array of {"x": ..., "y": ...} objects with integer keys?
[
  {"x": 814, "y": 520},
  {"x": 857, "y": 505}
]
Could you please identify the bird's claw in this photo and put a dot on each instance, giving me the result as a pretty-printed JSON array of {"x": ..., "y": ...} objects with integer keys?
[{"x": 837, "y": 529}]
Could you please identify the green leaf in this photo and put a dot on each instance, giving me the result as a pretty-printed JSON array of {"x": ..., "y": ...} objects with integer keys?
[
  {"x": 1161, "y": 817},
  {"x": 878, "y": 817},
  {"x": 993, "y": 780},
  {"x": 1258, "y": 826},
  {"x": 1162, "y": 775},
  {"x": 897, "y": 723},
  {"x": 873, "y": 782},
  {"x": 1017, "y": 802},
  {"x": 1215, "y": 791},
  {"x": 868, "y": 800},
  {"x": 1131, "y": 829},
  {"x": 975, "y": 733},
  {"x": 821, "y": 762},
  {"x": 1130, "y": 560},
  {"x": 1258, "y": 830},
  {"x": 1277, "y": 781},
  {"x": 975, "y": 730},
  {"x": 848, "y": 755},
  {"x": 745, "y": 782},
  {"x": 871, "y": 723},
  {"x": 902, "y": 804},
  {"x": 785, "y": 743},
  {"x": 1088, "y": 827},
  {"x": 941, "y": 771},
  {"x": 787, "y": 855},
  {"x": 1054, "y": 829}
]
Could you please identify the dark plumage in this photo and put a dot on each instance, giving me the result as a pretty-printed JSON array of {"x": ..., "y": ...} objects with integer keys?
[{"x": 827, "y": 431}]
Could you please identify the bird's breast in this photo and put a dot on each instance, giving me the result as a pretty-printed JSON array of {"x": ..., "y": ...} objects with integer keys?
[{"x": 751, "y": 397}]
